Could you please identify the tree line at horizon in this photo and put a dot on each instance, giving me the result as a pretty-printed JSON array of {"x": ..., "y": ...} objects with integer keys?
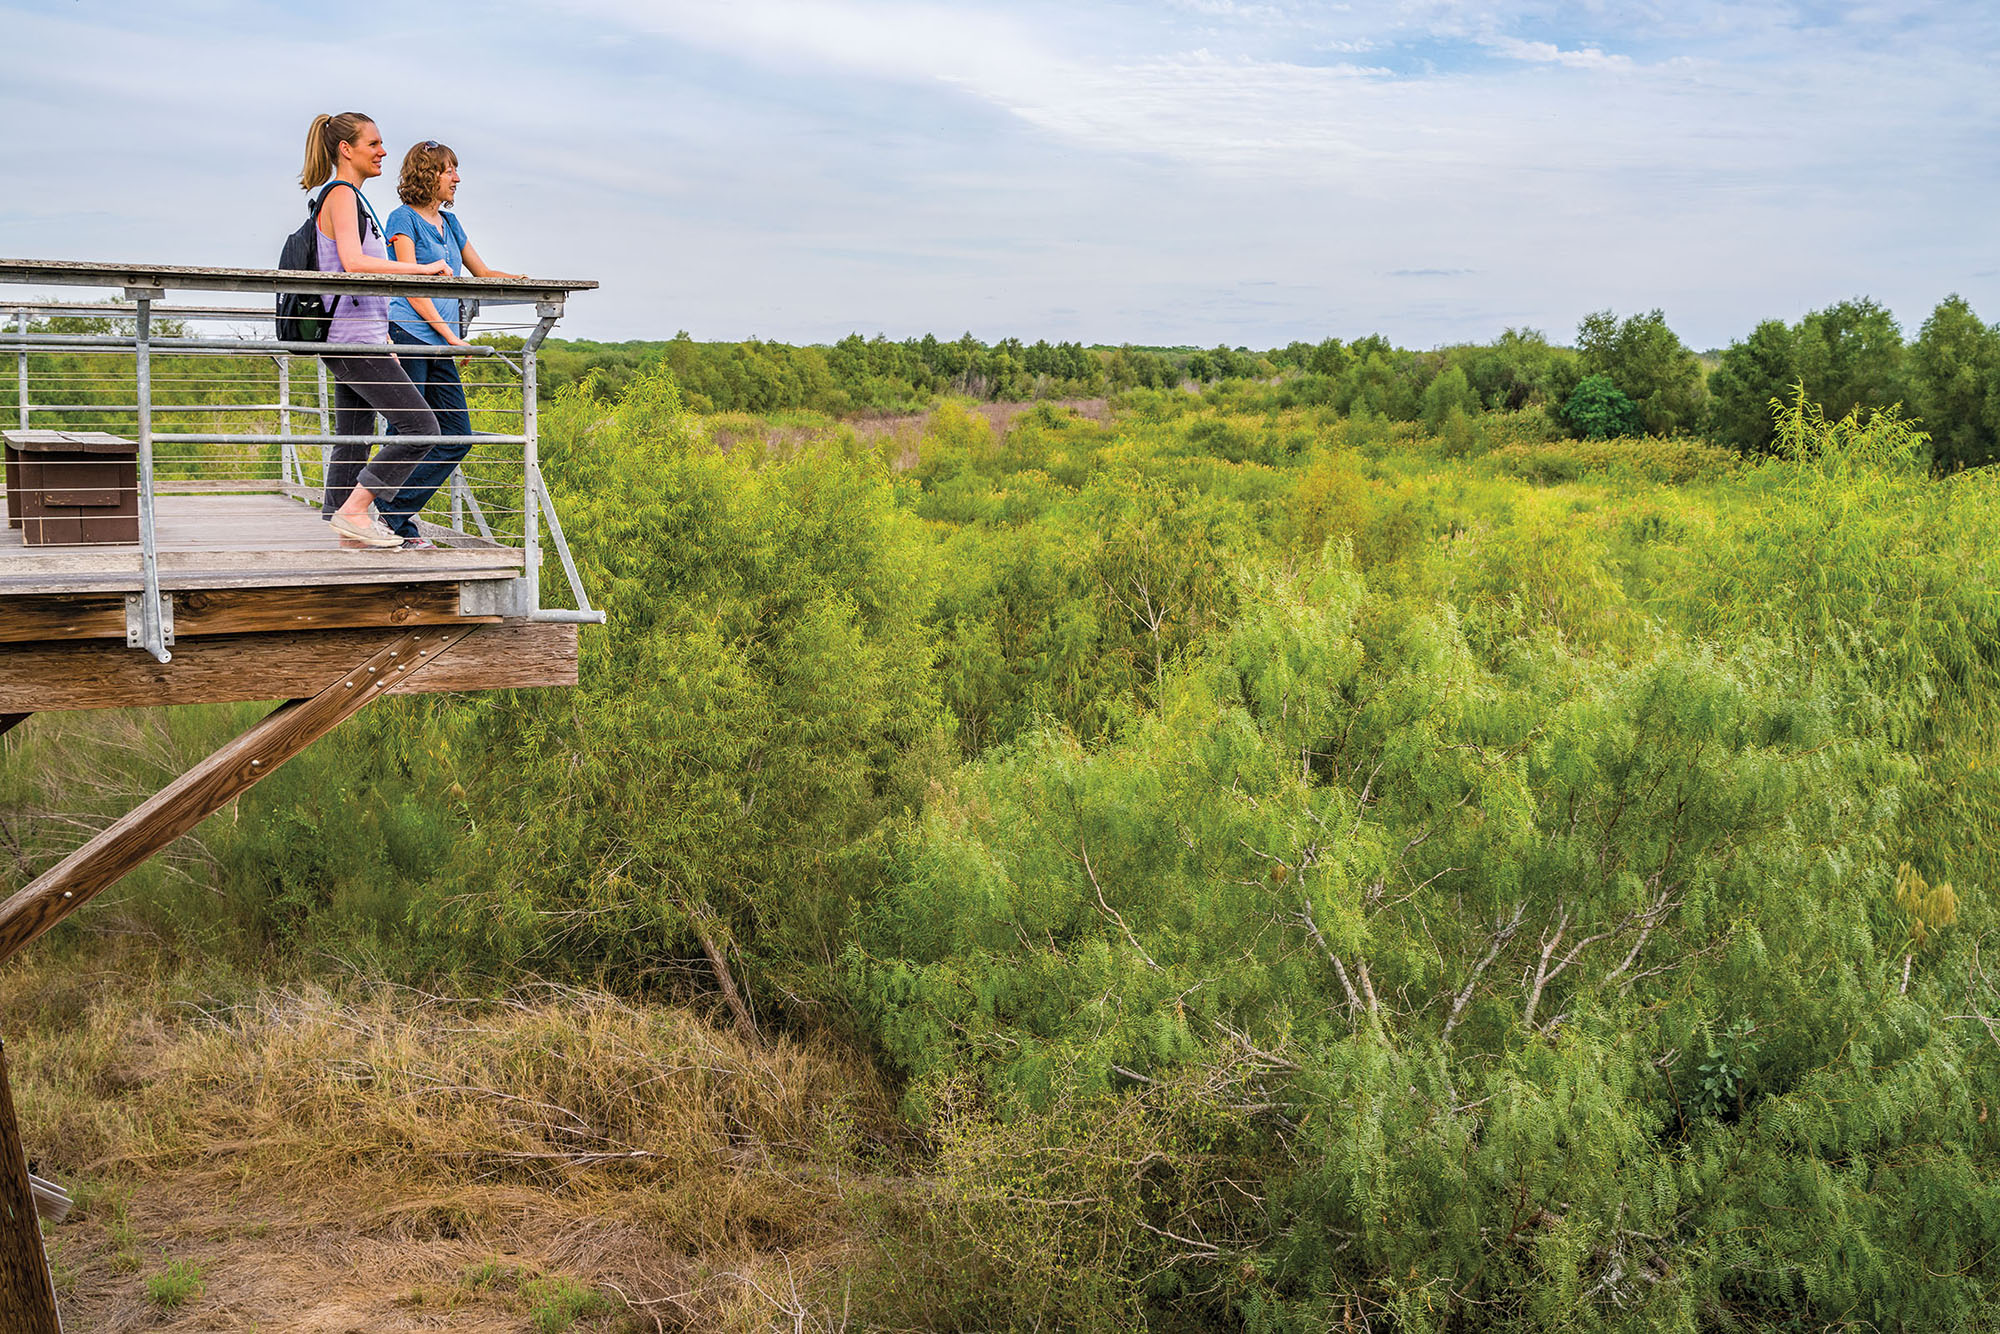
[{"x": 1622, "y": 377}]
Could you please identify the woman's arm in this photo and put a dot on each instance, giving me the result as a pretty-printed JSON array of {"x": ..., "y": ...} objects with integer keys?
[
  {"x": 477, "y": 266},
  {"x": 345, "y": 229},
  {"x": 406, "y": 251}
]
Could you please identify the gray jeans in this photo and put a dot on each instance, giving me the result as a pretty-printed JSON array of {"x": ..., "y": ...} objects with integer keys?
[{"x": 362, "y": 387}]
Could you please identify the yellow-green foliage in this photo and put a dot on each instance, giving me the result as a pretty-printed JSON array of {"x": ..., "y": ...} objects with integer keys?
[
  {"x": 1930, "y": 907},
  {"x": 1679, "y": 459},
  {"x": 1302, "y": 870}
]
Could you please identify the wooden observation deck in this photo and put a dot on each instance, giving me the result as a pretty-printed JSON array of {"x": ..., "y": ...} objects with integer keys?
[{"x": 230, "y": 586}]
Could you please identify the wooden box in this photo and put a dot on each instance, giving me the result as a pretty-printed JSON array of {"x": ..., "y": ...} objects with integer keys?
[{"x": 72, "y": 488}]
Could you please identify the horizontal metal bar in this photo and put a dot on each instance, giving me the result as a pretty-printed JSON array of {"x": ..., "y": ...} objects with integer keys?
[
  {"x": 125, "y": 310},
  {"x": 169, "y": 407},
  {"x": 562, "y": 617},
  {"x": 189, "y": 278},
  {"x": 246, "y": 346},
  {"x": 207, "y": 439}
]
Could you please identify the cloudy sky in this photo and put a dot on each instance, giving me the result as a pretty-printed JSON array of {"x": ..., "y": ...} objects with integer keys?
[{"x": 1175, "y": 171}]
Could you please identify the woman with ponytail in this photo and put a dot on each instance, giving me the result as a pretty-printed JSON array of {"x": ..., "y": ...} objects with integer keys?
[{"x": 348, "y": 149}]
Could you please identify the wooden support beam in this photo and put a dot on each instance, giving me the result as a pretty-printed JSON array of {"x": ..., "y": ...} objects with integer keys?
[
  {"x": 104, "y": 674},
  {"x": 27, "y": 1294},
  {"x": 235, "y": 611},
  {"x": 10, "y": 721},
  {"x": 213, "y": 783}
]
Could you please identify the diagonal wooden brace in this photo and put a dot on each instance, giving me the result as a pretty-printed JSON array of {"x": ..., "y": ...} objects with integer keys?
[{"x": 212, "y": 784}]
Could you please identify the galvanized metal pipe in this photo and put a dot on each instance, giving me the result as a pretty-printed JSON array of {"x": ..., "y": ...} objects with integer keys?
[
  {"x": 286, "y": 459},
  {"x": 562, "y": 551},
  {"x": 260, "y": 347},
  {"x": 325, "y": 426},
  {"x": 531, "y": 466},
  {"x": 159, "y": 407},
  {"x": 21, "y": 317},
  {"x": 152, "y": 635},
  {"x": 204, "y": 438}
]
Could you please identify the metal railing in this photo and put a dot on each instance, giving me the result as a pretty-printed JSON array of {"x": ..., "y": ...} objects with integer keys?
[{"x": 116, "y": 365}]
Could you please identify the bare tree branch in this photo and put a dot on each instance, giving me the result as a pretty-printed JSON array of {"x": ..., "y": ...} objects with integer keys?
[{"x": 1501, "y": 936}]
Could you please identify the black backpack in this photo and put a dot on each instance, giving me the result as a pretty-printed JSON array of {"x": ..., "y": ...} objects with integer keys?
[{"x": 305, "y": 317}]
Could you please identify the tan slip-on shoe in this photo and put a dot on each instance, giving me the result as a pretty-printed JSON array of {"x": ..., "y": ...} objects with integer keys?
[{"x": 371, "y": 533}]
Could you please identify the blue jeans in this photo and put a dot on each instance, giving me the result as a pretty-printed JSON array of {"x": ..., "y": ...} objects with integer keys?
[{"x": 437, "y": 378}]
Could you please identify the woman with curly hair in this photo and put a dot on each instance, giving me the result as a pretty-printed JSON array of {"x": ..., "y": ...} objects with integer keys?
[{"x": 423, "y": 231}]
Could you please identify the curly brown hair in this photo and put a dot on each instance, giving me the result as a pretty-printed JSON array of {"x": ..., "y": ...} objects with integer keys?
[{"x": 417, "y": 185}]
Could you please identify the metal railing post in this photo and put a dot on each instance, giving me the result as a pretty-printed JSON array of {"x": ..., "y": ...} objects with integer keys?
[
  {"x": 325, "y": 427},
  {"x": 21, "y": 318},
  {"x": 530, "y": 474},
  {"x": 152, "y": 634},
  {"x": 547, "y": 313},
  {"x": 287, "y": 460}
]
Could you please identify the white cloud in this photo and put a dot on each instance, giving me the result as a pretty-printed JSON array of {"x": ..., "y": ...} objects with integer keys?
[
  {"x": 1548, "y": 53},
  {"x": 799, "y": 168}
]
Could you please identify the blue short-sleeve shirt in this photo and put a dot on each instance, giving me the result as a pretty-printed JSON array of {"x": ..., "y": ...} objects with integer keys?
[{"x": 446, "y": 243}]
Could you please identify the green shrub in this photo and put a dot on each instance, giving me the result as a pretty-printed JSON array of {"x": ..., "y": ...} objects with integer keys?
[
  {"x": 1531, "y": 980},
  {"x": 1598, "y": 410},
  {"x": 1678, "y": 460},
  {"x": 556, "y": 1304}
]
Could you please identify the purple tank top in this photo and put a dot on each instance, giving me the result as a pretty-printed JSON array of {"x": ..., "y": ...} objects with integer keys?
[{"x": 357, "y": 319}]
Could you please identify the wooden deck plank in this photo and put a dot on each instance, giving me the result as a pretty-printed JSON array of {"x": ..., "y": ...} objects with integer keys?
[
  {"x": 104, "y": 674},
  {"x": 239, "y": 541}
]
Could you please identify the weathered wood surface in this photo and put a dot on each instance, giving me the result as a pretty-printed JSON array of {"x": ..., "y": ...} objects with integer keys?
[
  {"x": 27, "y": 1296},
  {"x": 34, "y": 620},
  {"x": 214, "y": 540},
  {"x": 397, "y": 658},
  {"x": 77, "y": 442},
  {"x": 101, "y": 674},
  {"x": 52, "y": 1202},
  {"x": 193, "y": 278}
]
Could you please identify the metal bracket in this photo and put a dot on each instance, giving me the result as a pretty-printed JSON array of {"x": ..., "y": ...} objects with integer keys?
[
  {"x": 145, "y": 294},
  {"x": 497, "y": 597},
  {"x": 135, "y": 608}
]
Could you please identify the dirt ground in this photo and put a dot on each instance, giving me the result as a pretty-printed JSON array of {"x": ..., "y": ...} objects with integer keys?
[
  {"x": 376, "y": 1159},
  {"x": 501, "y": 1264}
]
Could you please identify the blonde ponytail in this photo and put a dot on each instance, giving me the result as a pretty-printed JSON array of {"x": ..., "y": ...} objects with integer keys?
[{"x": 323, "y": 143}]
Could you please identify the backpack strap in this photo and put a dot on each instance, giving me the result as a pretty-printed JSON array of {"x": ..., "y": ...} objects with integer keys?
[
  {"x": 367, "y": 211},
  {"x": 366, "y": 208}
]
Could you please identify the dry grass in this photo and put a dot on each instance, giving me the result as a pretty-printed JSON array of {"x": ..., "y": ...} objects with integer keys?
[{"x": 373, "y": 1158}]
